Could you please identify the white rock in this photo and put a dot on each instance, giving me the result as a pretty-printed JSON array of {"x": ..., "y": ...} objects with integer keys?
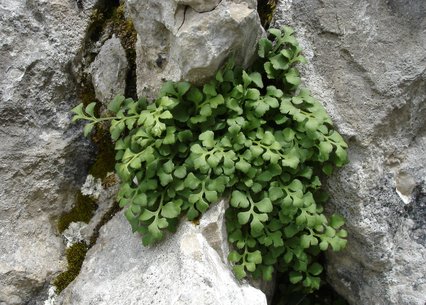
[
  {"x": 213, "y": 228},
  {"x": 51, "y": 299},
  {"x": 183, "y": 269}
]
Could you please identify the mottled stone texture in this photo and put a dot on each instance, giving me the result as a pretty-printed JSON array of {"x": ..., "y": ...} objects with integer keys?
[
  {"x": 177, "y": 42},
  {"x": 183, "y": 269},
  {"x": 109, "y": 71},
  {"x": 42, "y": 157},
  {"x": 367, "y": 64}
]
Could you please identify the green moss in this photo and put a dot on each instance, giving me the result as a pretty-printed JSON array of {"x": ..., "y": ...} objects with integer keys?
[
  {"x": 105, "y": 159},
  {"x": 82, "y": 211},
  {"x": 105, "y": 17},
  {"x": 86, "y": 92},
  {"x": 113, "y": 19},
  {"x": 266, "y": 9},
  {"x": 124, "y": 29},
  {"x": 75, "y": 256}
]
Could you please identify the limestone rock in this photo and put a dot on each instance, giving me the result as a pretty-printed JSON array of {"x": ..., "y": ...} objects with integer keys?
[
  {"x": 367, "y": 64},
  {"x": 42, "y": 156},
  {"x": 183, "y": 269},
  {"x": 105, "y": 204},
  {"x": 178, "y": 43},
  {"x": 200, "y": 6},
  {"x": 109, "y": 71}
]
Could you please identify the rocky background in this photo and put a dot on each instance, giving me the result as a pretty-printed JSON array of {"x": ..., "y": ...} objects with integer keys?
[
  {"x": 43, "y": 159},
  {"x": 367, "y": 65}
]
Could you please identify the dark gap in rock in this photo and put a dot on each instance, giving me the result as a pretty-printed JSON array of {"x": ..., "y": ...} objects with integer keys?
[
  {"x": 116, "y": 3},
  {"x": 266, "y": 9},
  {"x": 286, "y": 294},
  {"x": 107, "y": 217},
  {"x": 326, "y": 295},
  {"x": 123, "y": 28},
  {"x": 416, "y": 210},
  {"x": 105, "y": 157}
]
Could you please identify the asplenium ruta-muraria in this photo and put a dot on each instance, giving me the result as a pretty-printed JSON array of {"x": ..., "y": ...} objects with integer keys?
[{"x": 254, "y": 136}]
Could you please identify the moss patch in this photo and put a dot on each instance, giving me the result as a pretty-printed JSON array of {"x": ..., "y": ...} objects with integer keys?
[
  {"x": 266, "y": 9},
  {"x": 82, "y": 211},
  {"x": 108, "y": 18},
  {"x": 124, "y": 29},
  {"x": 114, "y": 20},
  {"x": 105, "y": 159},
  {"x": 75, "y": 256}
]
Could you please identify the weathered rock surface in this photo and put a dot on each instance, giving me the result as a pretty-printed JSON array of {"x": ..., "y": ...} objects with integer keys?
[
  {"x": 109, "y": 71},
  {"x": 176, "y": 42},
  {"x": 200, "y": 6},
  {"x": 367, "y": 64},
  {"x": 42, "y": 157},
  {"x": 184, "y": 269}
]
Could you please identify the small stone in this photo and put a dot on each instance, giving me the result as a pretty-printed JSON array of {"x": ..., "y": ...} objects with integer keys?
[
  {"x": 109, "y": 71},
  {"x": 51, "y": 296}
]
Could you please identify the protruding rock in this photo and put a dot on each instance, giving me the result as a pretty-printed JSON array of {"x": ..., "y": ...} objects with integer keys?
[
  {"x": 213, "y": 228},
  {"x": 183, "y": 269},
  {"x": 176, "y": 42},
  {"x": 109, "y": 71}
]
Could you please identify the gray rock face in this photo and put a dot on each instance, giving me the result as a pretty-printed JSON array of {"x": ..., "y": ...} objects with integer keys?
[
  {"x": 184, "y": 269},
  {"x": 42, "y": 157},
  {"x": 176, "y": 42},
  {"x": 367, "y": 64},
  {"x": 109, "y": 71},
  {"x": 200, "y": 6}
]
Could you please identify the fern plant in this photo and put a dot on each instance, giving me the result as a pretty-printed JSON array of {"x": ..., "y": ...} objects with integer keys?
[{"x": 254, "y": 136}]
